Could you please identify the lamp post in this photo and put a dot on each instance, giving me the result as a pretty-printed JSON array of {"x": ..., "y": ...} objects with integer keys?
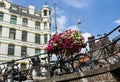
[
  {"x": 55, "y": 16},
  {"x": 78, "y": 21}
]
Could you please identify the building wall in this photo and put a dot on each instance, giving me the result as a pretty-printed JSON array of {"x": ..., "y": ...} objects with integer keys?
[{"x": 10, "y": 9}]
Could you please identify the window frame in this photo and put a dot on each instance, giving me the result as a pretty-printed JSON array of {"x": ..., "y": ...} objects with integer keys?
[
  {"x": 45, "y": 25},
  {"x": 11, "y": 49},
  {"x": 23, "y": 51},
  {"x": 45, "y": 39},
  {"x": 24, "y": 36},
  {"x": 12, "y": 33},
  {"x": 45, "y": 12},
  {"x": 0, "y": 31},
  {"x": 25, "y": 22},
  {"x": 37, "y": 25},
  {"x": 37, "y": 51},
  {"x": 2, "y": 4},
  {"x": 1, "y": 16},
  {"x": 37, "y": 38},
  {"x": 23, "y": 66},
  {"x": 13, "y": 19}
]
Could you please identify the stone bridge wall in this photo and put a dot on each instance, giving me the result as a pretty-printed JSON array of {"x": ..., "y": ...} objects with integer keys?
[
  {"x": 106, "y": 77},
  {"x": 97, "y": 75}
]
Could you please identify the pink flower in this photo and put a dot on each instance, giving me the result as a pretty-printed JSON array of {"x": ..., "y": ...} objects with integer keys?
[
  {"x": 64, "y": 46},
  {"x": 70, "y": 41}
]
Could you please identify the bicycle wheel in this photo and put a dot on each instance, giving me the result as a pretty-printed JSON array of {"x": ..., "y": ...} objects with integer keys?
[
  {"x": 116, "y": 50},
  {"x": 81, "y": 62},
  {"x": 66, "y": 66},
  {"x": 54, "y": 71},
  {"x": 62, "y": 68},
  {"x": 114, "y": 53}
]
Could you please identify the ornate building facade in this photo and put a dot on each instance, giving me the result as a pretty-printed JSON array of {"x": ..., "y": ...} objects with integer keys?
[{"x": 23, "y": 31}]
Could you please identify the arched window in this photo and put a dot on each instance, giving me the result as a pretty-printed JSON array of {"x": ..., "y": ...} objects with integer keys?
[{"x": 45, "y": 12}]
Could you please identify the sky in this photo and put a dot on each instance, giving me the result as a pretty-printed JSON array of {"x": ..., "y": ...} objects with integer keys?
[{"x": 96, "y": 16}]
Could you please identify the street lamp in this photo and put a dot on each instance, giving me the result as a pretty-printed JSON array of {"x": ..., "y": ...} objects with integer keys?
[{"x": 79, "y": 22}]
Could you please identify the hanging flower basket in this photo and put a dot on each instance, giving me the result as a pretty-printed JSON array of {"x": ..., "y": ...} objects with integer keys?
[{"x": 66, "y": 43}]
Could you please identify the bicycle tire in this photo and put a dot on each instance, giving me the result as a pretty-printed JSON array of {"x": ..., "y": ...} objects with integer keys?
[
  {"x": 54, "y": 71},
  {"x": 62, "y": 68},
  {"x": 67, "y": 68},
  {"x": 81, "y": 62},
  {"x": 114, "y": 55},
  {"x": 116, "y": 50}
]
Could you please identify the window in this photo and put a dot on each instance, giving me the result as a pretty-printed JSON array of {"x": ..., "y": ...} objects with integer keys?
[
  {"x": 0, "y": 31},
  {"x": 45, "y": 12},
  {"x": 2, "y": 4},
  {"x": 45, "y": 25},
  {"x": 25, "y": 22},
  {"x": 13, "y": 19},
  {"x": 38, "y": 71},
  {"x": 12, "y": 33},
  {"x": 11, "y": 49},
  {"x": 9, "y": 65},
  {"x": 24, "y": 11},
  {"x": 23, "y": 66},
  {"x": 37, "y": 38},
  {"x": 1, "y": 16},
  {"x": 14, "y": 8},
  {"x": 37, "y": 25},
  {"x": 23, "y": 51},
  {"x": 45, "y": 39},
  {"x": 37, "y": 51},
  {"x": 24, "y": 36},
  {"x": 37, "y": 14}
]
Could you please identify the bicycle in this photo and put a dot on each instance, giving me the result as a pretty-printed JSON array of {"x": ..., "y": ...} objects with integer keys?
[
  {"x": 13, "y": 72},
  {"x": 107, "y": 53},
  {"x": 62, "y": 66}
]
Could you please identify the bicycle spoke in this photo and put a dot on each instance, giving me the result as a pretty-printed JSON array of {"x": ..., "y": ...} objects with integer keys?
[{"x": 114, "y": 56}]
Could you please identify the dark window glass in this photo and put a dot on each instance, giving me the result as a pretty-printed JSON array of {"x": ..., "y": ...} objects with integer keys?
[
  {"x": 45, "y": 25},
  {"x": 2, "y": 4},
  {"x": 45, "y": 12},
  {"x": 23, "y": 51},
  {"x": 1, "y": 16},
  {"x": 24, "y": 36},
  {"x": 0, "y": 31},
  {"x": 45, "y": 39},
  {"x": 37, "y": 38},
  {"x": 25, "y": 22},
  {"x": 37, "y": 51},
  {"x": 12, "y": 33},
  {"x": 23, "y": 66},
  {"x": 37, "y": 25},
  {"x": 13, "y": 19},
  {"x": 11, "y": 49}
]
